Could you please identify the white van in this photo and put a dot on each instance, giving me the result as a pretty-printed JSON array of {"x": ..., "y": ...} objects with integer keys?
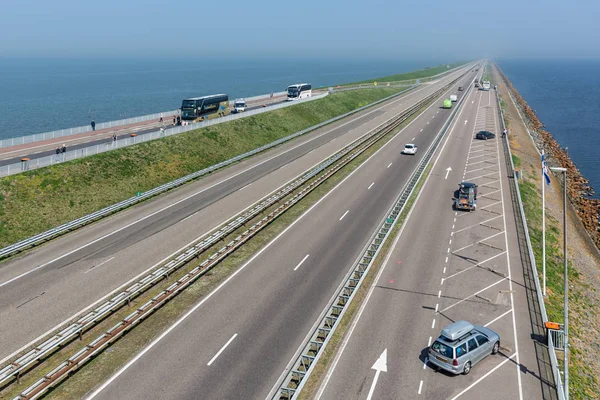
[
  {"x": 239, "y": 105},
  {"x": 453, "y": 98}
]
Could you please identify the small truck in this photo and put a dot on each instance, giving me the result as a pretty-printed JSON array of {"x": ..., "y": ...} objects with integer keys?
[
  {"x": 453, "y": 98},
  {"x": 447, "y": 103},
  {"x": 466, "y": 197}
]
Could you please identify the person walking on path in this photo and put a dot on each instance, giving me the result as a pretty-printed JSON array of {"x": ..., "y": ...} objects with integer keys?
[
  {"x": 93, "y": 125},
  {"x": 115, "y": 138},
  {"x": 57, "y": 150},
  {"x": 161, "y": 117},
  {"x": 504, "y": 133},
  {"x": 174, "y": 120},
  {"x": 64, "y": 148}
]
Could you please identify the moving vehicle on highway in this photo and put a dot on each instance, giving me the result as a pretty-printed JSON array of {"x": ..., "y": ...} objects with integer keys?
[
  {"x": 476, "y": 84},
  {"x": 486, "y": 85},
  {"x": 299, "y": 91},
  {"x": 239, "y": 105},
  {"x": 453, "y": 98},
  {"x": 461, "y": 345},
  {"x": 410, "y": 149},
  {"x": 196, "y": 107},
  {"x": 460, "y": 89},
  {"x": 447, "y": 103},
  {"x": 484, "y": 135}
]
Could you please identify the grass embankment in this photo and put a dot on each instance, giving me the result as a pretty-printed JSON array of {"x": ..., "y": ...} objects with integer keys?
[
  {"x": 583, "y": 382},
  {"x": 108, "y": 362},
  {"x": 38, "y": 200},
  {"x": 419, "y": 74}
]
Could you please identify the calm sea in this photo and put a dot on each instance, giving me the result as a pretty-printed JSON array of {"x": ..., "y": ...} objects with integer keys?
[
  {"x": 45, "y": 95},
  {"x": 566, "y": 97}
]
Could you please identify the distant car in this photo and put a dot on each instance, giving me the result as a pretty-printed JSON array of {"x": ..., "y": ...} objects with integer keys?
[
  {"x": 484, "y": 135},
  {"x": 461, "y": 345},
  {"x": 239, "y": 105},
  {"x": 460, "y": 89},
  {"x": 410, "y": 149}
]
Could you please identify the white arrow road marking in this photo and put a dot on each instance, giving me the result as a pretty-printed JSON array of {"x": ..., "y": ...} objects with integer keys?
[
  {"x": 380, "y": 365},
  {"x": 447, "y": 172}
]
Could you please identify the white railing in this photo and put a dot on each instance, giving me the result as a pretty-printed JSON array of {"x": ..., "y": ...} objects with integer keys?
[{"x": 70, "y": 155}]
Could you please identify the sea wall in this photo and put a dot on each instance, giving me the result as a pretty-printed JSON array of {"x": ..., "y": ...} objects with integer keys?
[{"x": 578, "y": 187}]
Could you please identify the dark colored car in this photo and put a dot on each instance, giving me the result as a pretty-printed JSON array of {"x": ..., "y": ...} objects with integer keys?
[
  {"x": 484, "y": 135},
  {"x": 464, "y": 187},
  {"x": 460, "y": 89}
]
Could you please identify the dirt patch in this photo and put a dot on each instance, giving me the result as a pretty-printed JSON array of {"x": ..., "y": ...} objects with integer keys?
[{"x": 583, "y": 237}]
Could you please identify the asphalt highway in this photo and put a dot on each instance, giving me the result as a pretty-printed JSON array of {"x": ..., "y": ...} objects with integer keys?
[
  {"x": 42, "y": 289},
  {"x": 236, "y": 342},
  {"x": 43, "y": 149},
  {"x": 446, "y": 266}
]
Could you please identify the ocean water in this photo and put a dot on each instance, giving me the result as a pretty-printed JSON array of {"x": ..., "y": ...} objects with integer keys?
[
  {"x": 40, "y": 95},
  {"x": 566, "y": 97}
]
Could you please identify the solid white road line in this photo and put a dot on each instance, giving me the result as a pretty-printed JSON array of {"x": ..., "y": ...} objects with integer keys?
[
  {"x": 342, "y": 217},
  {"x": 371, "y": 185},
  {"x": 222, "y": 349},
  {"x": 510, "y": 286},
  {"x": 300, "y": 263},
  {"x": 390, "y": 164},
  {"x": 96, "y": 266},
  {"x": 420, "y": 386}
]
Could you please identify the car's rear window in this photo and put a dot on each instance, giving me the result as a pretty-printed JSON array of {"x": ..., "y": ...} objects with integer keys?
[{"x": 443, "y": 349}]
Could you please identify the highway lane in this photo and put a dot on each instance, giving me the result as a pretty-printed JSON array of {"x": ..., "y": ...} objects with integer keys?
[
  {"x": 447, "y": 266},
  {"x": 76, "y": 142},
  {"x": 236, "y": 342},
  {"x": 48, "y": 285}
]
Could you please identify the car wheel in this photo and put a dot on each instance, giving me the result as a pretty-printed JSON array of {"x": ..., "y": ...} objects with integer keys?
[
  {"x": 496, "y": 348},
  {"x": 467, "y": 368}
]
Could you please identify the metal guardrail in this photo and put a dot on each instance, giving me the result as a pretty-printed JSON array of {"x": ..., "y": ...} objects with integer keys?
[
  {"x": 77, "y": 223},
  {"x": 80, "y": 357},
  {"x": 304, "y": 363},
  {"x": 538, "y": 290}
]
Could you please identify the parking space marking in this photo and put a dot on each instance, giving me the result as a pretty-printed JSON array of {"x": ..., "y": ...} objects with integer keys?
[
  {"x": 371, "y": 185},
  {"x": 473, "y": 295},
  {"x": 477, "y": 242},
  {"x": 222, "y": 349},
  {"x": 477, "y": 224},
  {"x": 497, "y": 318},
  {"x": 490, "y": 205},
  {"x": 389, "y": 165},
  {"x": 485, "y": 176},
  {"x": 484, "y": 376},
  {"x": 475, "y": 265}
]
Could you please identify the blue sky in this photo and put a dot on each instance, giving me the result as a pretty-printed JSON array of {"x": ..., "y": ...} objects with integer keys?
[{"x": 434, "y": 29}]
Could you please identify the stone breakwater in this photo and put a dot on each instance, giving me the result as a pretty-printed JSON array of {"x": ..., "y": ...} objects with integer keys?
[{"x": 578, "y": 188}]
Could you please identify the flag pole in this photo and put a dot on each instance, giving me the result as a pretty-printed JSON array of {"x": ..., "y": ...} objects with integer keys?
[{"x": 543, "y": 225}]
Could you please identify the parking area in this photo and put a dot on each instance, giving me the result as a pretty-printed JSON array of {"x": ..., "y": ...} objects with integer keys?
[{"x": 476, "y": 283}]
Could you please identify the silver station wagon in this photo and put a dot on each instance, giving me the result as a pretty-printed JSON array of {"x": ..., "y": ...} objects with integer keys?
[{"x": 462, "y": 345}]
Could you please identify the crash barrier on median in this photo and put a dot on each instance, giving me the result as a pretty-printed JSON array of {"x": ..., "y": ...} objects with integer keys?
[
  {"x": 304, "y": 362},
  {"x": 77, "y": 328},
  {"x": 531, "y": 259}
]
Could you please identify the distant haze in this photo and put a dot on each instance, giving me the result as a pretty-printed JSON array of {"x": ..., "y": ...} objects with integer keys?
[{"x": 426, "y": 30}]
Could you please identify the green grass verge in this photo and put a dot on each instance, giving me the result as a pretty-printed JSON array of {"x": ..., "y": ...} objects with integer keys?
[
  {"x": 109, "y": 361},
  {"x": 314, "y": 381},
  {"x": 35, "y": 201},
  {"x": 422, "y": 73},
  {"x": 582, "y": 382}
]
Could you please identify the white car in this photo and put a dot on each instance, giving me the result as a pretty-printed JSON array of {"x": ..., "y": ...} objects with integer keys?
[{"x": 410, "y": 149}]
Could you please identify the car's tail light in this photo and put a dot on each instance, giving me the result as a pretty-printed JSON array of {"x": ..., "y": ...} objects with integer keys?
[{"x": 455, "y": 362}]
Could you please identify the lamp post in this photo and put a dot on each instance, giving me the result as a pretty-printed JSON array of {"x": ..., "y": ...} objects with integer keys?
[{"x": 566, "y": 290}]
